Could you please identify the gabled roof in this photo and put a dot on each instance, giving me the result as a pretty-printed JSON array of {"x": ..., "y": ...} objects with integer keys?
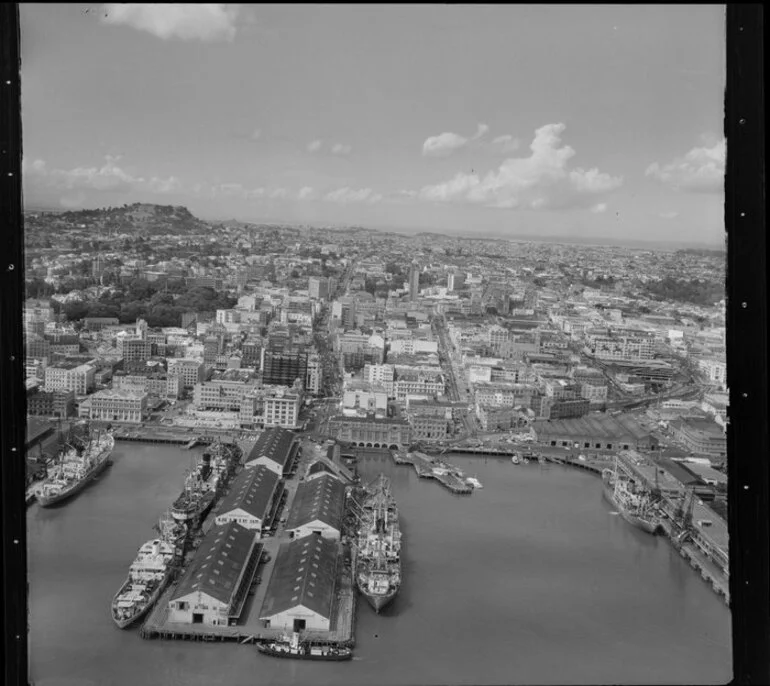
[
  {"x": 218, "y": 563},
  {"x": 275, "y": 444},
  {"x": 321, "y": 499},
  {"x": 304, "y": 574},
  {"x": 252, "y": 491}
]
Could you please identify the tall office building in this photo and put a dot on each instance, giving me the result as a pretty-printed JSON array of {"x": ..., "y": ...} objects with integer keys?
[{"x": 414, "y": 280}]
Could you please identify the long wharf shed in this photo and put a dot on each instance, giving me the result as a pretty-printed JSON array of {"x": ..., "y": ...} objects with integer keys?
[
  {"x": 252, "y": 498},
  {"x": 275, "y": 449},
  {"x": 301, "y": 591},
  {"x": 215, "y": 586},
  {"x": 595, "y": 432},
  {"x": 317, "y": 508}
]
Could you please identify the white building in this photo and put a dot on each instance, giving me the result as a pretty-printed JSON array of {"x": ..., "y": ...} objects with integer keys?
[
  {"x": 116, "y": 406},
  {"x": 70, "y": 376},
  {"x": 281, "y": 409}
]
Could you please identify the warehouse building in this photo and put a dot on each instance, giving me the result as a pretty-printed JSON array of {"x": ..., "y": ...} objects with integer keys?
[
  {"x": 317, "y": 508},
  {"x": 276, "y": 449},
  {"x": 252, "y": 499},
  {"x": 300, "y": 595},
  {"x": 602, "y": 432},
  {"x": 215, "y": 586}
]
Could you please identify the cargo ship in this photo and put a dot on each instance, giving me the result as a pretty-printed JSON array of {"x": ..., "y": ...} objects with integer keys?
[
  {"x": 78, "y": 465},
  {"x": 200, "y": 487},
  {"x": 295, "y": 649},
  {"x": 148, "y": 575},
  {"x": 633, "y": 502},
  {"x": 378, "y": 546}
]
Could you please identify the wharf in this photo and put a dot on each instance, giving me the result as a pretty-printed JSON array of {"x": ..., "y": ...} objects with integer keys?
[
  {"x": 248, "y": 627},
  {"x": 425, "y": 467}
]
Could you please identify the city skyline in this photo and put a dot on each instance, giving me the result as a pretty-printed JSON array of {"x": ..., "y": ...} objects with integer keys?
[{"x": 593, "y": 122}]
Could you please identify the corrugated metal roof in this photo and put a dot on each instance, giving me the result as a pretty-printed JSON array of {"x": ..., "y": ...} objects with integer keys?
[
  {"x": 251, "y": 491},
  {"x": 323, "y": 499},
  {"x": 275, "y": 444},
  {"x": 599, "y": 426},
  {"x": 305, "y": 573},
  {"x": 217, "y": 564}
]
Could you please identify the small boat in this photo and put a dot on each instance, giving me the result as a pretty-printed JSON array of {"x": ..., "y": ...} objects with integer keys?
[
  {"x": 515, "y": 459},
  {"x": 473, "y": 481},
  {"x": 293, "y": 648}
]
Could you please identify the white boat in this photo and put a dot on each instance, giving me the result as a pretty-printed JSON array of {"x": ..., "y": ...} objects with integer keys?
[
  {"x": 473, "y": 481},
  {"x": 515, "y": 459}
]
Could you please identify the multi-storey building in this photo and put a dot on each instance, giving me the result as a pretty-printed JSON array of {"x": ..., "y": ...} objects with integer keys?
[
  {"x": 418, "y": 384},
  {"x": 51, "y": 404},
  {"x": 221, "y": 394},
  {"x": 133, "y": 348},
  {"x": 318, "y": 287},
  {"x": 70, "y": 376},
  {"x": 190, "y": 372},
  {"x": 371, "y": 431},
  {"x": 282, "y": 365},
  {"x": 610, "y": 345},
  {"x": 115, "y": 406},
  {"x": 429, "y": 428},
  {"x": 251, "y": 352},
  {"x": 281, "y": 408},
  {"x": 551, "y": 408},
  {"x": 701, "y": 436}
]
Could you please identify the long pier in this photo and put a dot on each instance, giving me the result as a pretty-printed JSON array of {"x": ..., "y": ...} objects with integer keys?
[{"x": 425, "y": 467}]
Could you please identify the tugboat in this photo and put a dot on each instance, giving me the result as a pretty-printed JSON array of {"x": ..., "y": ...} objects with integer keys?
[
  {"x": 632, "y": 502},
  {"x": 148, "y": 575},
  {"x": 378, "y": 548},
  {"x": 293, "y": 648},
  {"x": 80, "y": 464}
]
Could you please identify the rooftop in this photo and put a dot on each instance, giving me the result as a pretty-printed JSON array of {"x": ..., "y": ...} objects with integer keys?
[
  {"x": 604, "y": 426},
  {"x": 322, "y": 499},
  {"x": 218, "y": 563},
  {"x": 275, "y": 444},
  {"x": 251, "y": 491},
  {"x": 304, "y": 574}
]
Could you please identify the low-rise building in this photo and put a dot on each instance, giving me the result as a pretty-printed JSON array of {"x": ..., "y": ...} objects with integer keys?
[
  {"x": 300, "y": 595},
  {"x": 701, "y": 436},
  {"x": 215, "y": 586},
  {"x": 252, "y": 499},
  {"x": 317, "y": 508},
  {"x": 276, "y": 449},
  {"x": 371, "y": 431},
  {"x": 115, "y": 406}
]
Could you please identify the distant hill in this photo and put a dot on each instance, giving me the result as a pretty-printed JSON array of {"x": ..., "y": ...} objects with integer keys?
[{"x": 139, "y": 218}]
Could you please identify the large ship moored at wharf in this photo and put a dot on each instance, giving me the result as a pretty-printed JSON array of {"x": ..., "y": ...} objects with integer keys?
[{"x": 378, "y": 546}]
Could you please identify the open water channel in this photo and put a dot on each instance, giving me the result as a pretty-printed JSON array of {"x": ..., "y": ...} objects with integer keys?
[{"x": 530, "y": 580}]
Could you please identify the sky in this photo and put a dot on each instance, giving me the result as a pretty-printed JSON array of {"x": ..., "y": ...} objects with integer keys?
[{"x": 594, "y": 121}]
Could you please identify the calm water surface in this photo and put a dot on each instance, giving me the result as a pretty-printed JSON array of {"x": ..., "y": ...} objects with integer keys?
[{"x": 530, "y": 580}]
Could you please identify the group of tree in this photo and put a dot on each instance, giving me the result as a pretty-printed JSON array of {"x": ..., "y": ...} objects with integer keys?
[
  {"x": 693, "y": 291},
  {"x": 157, "y": 304}
]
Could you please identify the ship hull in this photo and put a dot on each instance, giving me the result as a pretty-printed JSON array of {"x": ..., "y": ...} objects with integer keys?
[
  {"x": 185, "y": 515},
  {"x": 127, "y": 622},
  {"x": 645, "y": 525},
  {"x": 48, "y": 501},
  {"x": 380, "y": 601},
  {"x": 339, "y": 655}
]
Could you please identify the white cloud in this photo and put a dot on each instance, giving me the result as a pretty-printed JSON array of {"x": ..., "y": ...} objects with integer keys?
[
  {"x": 599, "y": 208},
  {"x": 278, "y": 193},
  {"x": 341, "y": 149},
  {"x": 207, "y": 22},
  {"x": 505, "y": 144},
  {"x": 108, "y": 177},
  {"x": 307, "y": 193},
  {"x": 442, "y": 145},
  {"x": 314, "y": 146},
  {"x": 540, "y": 181},
  {"x": 481, "y": 131},
  {"x": 669, "y": 215},
  {"x": 701, "y": 170},
  {"x": 256, "y": 134},
  {"x": 346, "y": 196}
]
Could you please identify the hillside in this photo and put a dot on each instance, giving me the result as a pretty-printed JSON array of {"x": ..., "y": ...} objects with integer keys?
[{"x": 137, "y": 219}]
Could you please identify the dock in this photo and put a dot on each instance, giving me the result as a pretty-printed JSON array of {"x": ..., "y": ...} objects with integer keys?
[
  {"x": 248, "y": 628},
  {"x": 425, "y": 466}
]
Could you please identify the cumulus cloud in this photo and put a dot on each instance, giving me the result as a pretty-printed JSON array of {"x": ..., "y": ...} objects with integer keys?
[
  {"x": 314, "y": 146},
  {"x": 505, "y": 144},
  {"x": 599, "y": 208},
  {"x": 107, "y": 177},
  {"x": 540, "y": 181},
  {"x": 341, "y": 149},
  {"x": 442, "y": 145},
  {"x": 206, "y": 22},
  {"x": 306, "y": 193},
  {"x": 701, "y": 170},
  {"x": 347, "y": 196}
]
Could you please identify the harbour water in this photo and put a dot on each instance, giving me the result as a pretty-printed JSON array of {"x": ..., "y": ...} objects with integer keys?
[{"x": 530, "y": 580}]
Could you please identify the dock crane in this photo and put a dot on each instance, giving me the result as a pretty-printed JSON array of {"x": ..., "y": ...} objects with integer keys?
[{"x": 683, "y": 514}]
